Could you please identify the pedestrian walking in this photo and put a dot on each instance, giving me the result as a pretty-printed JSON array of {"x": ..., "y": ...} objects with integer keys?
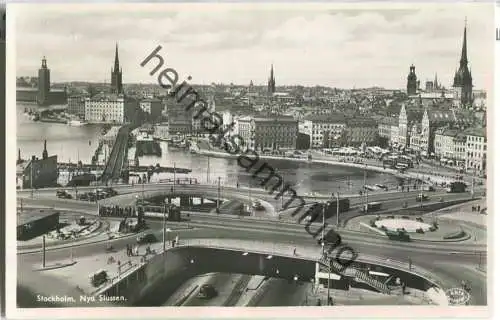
[
  {"x": 294, "y": 251},
  {"x": 409, "y": 263},
  {"x": 136, "y": 250}
]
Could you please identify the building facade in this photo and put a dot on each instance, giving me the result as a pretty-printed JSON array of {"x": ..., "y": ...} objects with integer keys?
[
  {"x": 323, "y": 129},
  {"x": 76, "y": 105},
  {"x": 388, "y": 128},
  {"x": 476, "y": 149},
  {"x": 450, "y": 146},
  {"x": 180, "y": 121},
  {"x": 109, "y": 108},
  {"x": 273, "y": 132},
  {"x": 360, "y": 131},
  {"x": 40, "y": 173}
]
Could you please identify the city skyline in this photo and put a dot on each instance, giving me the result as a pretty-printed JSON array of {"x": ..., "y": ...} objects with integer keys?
[{"x": 198, "y": 43}]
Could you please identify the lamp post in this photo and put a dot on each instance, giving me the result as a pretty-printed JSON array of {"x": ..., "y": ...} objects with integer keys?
[
  {"x": 164, "y": 224},
  {"x": 218, "y": 195},
  {"x": 208, "y": 169},
  {"x": 473, "y": 180},
  {"x": 249, "y": 194},
  {"x": 323, "y": 230},
  {"x": 366, "y": 190},
  {"x": 174, "y": 177},
  {"x": 338, "y": 207},
  {"x": 31, "y": 178}
]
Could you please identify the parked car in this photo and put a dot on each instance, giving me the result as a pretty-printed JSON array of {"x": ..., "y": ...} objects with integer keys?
[
  {"x": 146, "y": 238},
  {"x": 207, "y": 291},
  {"x": 422, "y": 197}
]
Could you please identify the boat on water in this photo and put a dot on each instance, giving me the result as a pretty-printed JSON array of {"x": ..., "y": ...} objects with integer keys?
[{"x": 76, "y": 123}]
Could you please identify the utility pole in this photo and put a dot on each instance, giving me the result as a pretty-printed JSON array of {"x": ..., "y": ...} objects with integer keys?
[
  {"x": 174, "y": 176},
  {"x": 323, "y": 230},
  {"x": 43, "y": 251},
  {"x": 218, "y": 195},
  {"x": 208, "y": 169},
  {"x": 249, "y": 193},
  {"x": 329, "y": 272},
  {"x": 164, "y": 225},
  {"x": 338, "y": 207},
  {"x": 473, "y": 180},
  {"x": 366, "y": 190},
  {"x": 31, "y": 178}
]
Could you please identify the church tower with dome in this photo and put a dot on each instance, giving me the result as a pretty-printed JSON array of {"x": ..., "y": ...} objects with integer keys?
[{"x": 462, "y": 82}]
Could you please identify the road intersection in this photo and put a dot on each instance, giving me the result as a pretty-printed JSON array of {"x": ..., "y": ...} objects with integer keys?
[{"x": 451, "y": 262}]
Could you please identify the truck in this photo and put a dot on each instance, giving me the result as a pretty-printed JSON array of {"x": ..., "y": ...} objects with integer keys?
[
  {"x": 456, "y": 187},
  {"x": 315, "y": 212},
  {"x": 370, "y": 207}
]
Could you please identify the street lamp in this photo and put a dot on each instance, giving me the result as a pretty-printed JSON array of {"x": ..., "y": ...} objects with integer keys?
[
  {"x": 338, "y": 207},
  {"x": 218, "y": 195},
  {"x": 164, "y": 224},
  {"x": 329, "y": 272},
  {"x": 323, "y": 230}
]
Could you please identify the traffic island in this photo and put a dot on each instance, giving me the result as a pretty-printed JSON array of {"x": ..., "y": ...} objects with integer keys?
[{"x": 418, "y": 228}]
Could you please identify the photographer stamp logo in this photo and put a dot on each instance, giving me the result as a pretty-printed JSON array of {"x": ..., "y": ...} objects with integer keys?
[{"x": 457, "y": 296}]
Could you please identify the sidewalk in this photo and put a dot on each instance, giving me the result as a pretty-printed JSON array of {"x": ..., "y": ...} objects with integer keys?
[
  {"x": 463, "y": 212},
  {"x": 78, "y": 274}
]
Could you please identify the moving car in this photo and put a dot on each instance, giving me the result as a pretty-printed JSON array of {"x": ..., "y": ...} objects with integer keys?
[
  {"x": 63, "y": 194},
  {"x": 207, "y": 291},
  {"x": 146, "y": 238},
  {"x": 422, "y": 197},
  {"x": 331, "y": 237},
  {"x": 98, "y": 278}
]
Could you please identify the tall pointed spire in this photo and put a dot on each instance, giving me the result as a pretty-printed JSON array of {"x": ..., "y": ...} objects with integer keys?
[
  {"x": 271, "y": 84},
  {"x": 117, "y": 61},
  {"x": 45, "y": 154},
  {"x": 463, "y": 58}
]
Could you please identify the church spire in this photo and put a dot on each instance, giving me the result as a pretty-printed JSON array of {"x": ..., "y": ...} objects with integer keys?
[
  {"x": 45, "y": 154},
  {"x": 463, "y": 58},
  {"x": 271, "y": 84},
  {"x": 117, "y": 61}
]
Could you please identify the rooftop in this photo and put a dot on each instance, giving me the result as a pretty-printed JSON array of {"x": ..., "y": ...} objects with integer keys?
[
  {"x": 26, "y": 89},
  {"x": 33, "y": 215},
  {"x": 333, "y": 118},
  {"x": 106, "y": 97},
  {"x": 477, "y": 132}
]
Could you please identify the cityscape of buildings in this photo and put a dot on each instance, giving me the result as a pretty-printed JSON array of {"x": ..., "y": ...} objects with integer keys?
[
  {"x": 367, "y": 186},
  {"x": 434, "y": 121}
]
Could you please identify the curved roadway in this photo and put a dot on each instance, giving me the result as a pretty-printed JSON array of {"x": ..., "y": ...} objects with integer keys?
[{"x": 450, "y": 262}]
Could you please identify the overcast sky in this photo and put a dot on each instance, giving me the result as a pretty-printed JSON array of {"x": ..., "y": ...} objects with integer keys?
[{"x": 318, "y": 45}]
